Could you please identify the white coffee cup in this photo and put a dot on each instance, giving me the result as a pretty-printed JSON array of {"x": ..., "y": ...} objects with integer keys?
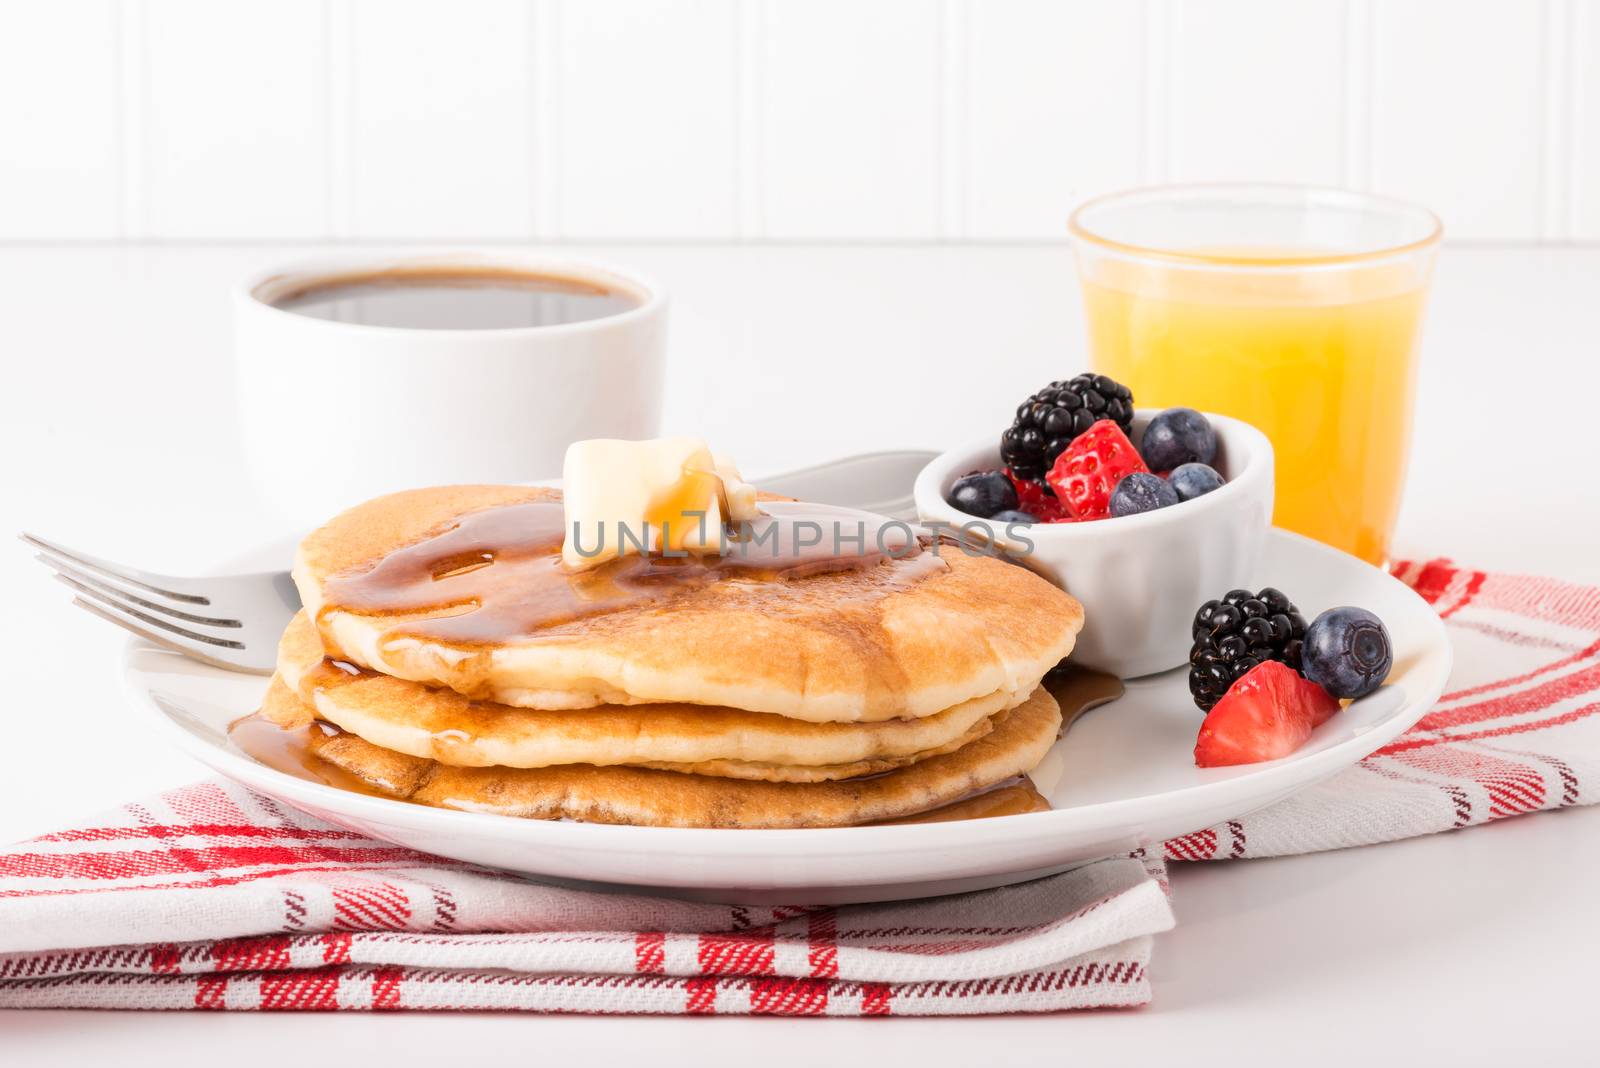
[{"x": 333, "y": 413}]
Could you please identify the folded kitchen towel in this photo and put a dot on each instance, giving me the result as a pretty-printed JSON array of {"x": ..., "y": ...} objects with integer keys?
[
  {"x": 213, "y": 897},
  {"x": 1517, "y": 730}
]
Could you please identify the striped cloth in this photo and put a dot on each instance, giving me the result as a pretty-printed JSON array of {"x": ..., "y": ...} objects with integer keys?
[{"x": 212, "y": 897}]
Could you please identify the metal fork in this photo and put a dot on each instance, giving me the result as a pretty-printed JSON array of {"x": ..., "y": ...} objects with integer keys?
[
  {"x": 227, "y": 621},
  {"x": 235, "y": 621}
]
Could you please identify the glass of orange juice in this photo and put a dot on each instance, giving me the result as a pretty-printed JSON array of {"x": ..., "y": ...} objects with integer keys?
[{"x": 1294, "y": 309}]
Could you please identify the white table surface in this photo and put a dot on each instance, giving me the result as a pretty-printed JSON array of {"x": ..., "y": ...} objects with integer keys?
[{"x": 116, "y": 436}]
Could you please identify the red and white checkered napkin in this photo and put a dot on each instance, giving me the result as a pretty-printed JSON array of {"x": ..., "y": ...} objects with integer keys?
[
  {"x": 1517, "y": 730},
  {"x": 212, "y": 897}
]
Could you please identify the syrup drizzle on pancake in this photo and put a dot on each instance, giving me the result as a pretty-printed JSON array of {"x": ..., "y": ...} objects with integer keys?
[{"x": 497, "y": 575}]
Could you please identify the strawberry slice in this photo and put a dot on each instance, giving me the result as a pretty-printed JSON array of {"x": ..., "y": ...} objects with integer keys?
[
  {"x": 1087, "y": 470},
  {"x": 1036, "y": 500},
  {"x": 1267, "y": 714}
]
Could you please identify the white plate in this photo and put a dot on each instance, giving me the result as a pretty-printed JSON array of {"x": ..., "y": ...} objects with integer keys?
[{"x": 1124, "y": 776}]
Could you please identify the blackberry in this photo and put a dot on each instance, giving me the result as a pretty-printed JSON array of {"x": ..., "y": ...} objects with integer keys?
[
  {"x": 1047, "y": 422},
  {"x": 1234, "y": 634}
]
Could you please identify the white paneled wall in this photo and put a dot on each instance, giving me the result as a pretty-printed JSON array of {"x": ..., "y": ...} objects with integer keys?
[
  {"x": 1256, "y": 89},
  {"x": 1458, "y": 114},
  {"x": 202, "y": 169},
  {"x": 752, "y": 120},
  {"x": 439, "y": 117},
  {"x": 1581, "y": 137},
  {"x": 61, "y": 158}
]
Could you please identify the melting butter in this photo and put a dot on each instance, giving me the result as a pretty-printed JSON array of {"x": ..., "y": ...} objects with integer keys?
[{"x": 639, "y": 497}]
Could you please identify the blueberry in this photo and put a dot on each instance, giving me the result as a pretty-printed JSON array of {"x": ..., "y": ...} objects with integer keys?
[
  {"x": 1347, "y": 652},
  {"x": 982, "y": 493},
  {"x": 1011, "y": 515},
  {"x": 1176, "y": 437},
  {"x": 1194, "y": 480},
  {"x": 1141, "y": 492}
]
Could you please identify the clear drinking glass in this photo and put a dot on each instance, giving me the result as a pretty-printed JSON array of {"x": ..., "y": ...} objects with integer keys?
[{"x": 1295, "y": 309}]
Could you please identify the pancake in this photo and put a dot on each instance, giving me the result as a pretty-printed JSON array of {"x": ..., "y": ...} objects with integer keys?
[
  {"x": 896, "y": 639},
  {"x": 647, "y": 797},
  {"x": 420, "y": 721}
]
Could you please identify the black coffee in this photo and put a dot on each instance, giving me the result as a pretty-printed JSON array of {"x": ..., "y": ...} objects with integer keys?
[{"x": 463, "y": 299}]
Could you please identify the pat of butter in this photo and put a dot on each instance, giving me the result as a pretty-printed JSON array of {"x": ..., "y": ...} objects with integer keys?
[{"x": 669, "y": 494}]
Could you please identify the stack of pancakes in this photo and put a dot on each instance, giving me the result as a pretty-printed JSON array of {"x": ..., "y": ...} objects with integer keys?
[{"x": 812, "y": 699}]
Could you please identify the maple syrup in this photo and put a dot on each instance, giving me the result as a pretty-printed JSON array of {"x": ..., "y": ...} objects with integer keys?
[
  {"x": 1014, "y": 797},
  {"x": 291, "y": 751},
  {"x": 497, "y": 575}
]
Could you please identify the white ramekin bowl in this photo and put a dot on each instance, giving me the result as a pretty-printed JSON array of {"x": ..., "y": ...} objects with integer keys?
[{"x": 1140, "y": 578}]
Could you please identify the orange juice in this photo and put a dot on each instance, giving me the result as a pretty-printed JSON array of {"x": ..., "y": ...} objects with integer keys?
[
  {"x": 1291, "y": 307},
  {"x": 1323, "y": 361}
]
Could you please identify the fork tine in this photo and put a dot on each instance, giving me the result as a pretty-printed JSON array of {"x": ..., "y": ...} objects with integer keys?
[
  {"x": 146, "y": 581},
  {"x": 80, "y": 580},
  {"x": 145, "y": 618},
  {"x": 193, "y": 652}
]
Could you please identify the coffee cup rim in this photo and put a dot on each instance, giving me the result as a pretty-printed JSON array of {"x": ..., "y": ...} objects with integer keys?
[{"x": 249, "y": 292}]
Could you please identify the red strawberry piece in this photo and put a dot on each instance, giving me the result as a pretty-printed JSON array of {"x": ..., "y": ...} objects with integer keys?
[
  {"x": 1036, "y": 500},
  {"x": 1267, "y": 714},
  {"x": 1089, "y": 469}
]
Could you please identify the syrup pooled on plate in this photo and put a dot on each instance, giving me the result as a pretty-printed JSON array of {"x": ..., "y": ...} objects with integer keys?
[
  {"x": 1078, "y": 689},
  {"x": 289, "y": 750}
]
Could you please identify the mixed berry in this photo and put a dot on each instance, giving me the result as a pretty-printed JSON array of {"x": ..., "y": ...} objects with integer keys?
[
  {"x": 1347, "y": 652},
  {"x": 1235, "y": 633},
  {"x": 1088, "y": 470},
  {"x": 1142, "y": 492},
  {"x": 985, "y": 493},
  {"x": 1176, "y": 437},
  {"x": 1189, "y": 481},
  {"x": 1265, "y": 678},
  {"x": 1267, "y": 714},
  {"x": 1068, "y": 458},
  {"x": 1047, "y": 422}
]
